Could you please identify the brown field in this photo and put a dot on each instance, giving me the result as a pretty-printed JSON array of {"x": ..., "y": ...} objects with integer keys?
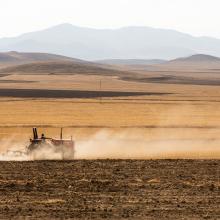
[{"x": 112, "y": 189}]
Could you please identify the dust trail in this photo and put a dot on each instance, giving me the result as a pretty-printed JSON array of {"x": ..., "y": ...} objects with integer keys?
[
  {"x": 46, "y": 154},
  {"x": 127, "y": 144},
  {"x": 9, "y": 145},
  {"x": 12, "y": 150},
  {"x": 123, "y": 145}
]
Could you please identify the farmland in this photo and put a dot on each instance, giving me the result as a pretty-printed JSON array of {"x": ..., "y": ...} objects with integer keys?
[
  {"x": 123, "y": 126},
  {"x": 176, "y": 116},
  {"x": 113, "y": 189}
]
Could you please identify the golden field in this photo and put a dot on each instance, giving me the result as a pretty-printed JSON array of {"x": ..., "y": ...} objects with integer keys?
[{"x": 182, "y": 116}]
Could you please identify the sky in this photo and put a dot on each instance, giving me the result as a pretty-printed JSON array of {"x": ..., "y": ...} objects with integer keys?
[{"x": 196, "y": 17}]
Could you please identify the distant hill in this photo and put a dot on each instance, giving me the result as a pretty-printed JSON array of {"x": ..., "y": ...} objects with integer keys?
[
  {"x": 197, "y": 61},
  {"x": 60, "y": 67},
  {"x": 197, "y": 58},
  {"x": 122, "y": 43},
  {"x": 130, "y": 62},
  {"x": 13, "y": 57}
]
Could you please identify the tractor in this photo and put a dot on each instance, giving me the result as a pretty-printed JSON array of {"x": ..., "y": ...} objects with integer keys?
[{"x": 64, "y": 146}]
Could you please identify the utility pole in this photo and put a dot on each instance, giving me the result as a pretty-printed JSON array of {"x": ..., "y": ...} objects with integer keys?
[{"x": 100, "y": 91}]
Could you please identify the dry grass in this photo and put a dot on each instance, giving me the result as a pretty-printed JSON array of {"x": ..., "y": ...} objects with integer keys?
[
  {"x": 135, "y": 120},
  {"x": 190, "y": 114},
  {"x": 110, "y": 113},
  {"x": 186, "y": 106}
]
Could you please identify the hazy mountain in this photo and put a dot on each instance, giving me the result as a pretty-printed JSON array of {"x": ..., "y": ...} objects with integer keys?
[
  {"x": 197, "y": 58},
  {"x": 60, "y": 67},
  {"x": 197, "y": 61},
  {"x": 123, "y": 43},
  {"x": 131, "y": 62},
  {"x": 13, "y": 57}
]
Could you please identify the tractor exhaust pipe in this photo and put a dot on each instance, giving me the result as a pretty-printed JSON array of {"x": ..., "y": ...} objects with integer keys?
[{"x": 35, "y": 133}]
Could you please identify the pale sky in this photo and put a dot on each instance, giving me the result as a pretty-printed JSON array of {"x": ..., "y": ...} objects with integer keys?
[{"x": 196, "y": 17}]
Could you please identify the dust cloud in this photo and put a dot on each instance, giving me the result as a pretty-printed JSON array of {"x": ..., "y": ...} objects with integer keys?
[
  {"x": 127, "y": 144},
  {"x": 178, "y": 133},
  {"x": 12, "y": 151},
  {"x": 124, "y": 145}
]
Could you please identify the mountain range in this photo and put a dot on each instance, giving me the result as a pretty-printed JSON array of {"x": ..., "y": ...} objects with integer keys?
[
  {"x": 14, "y": 57},
  {"x": 44, "y": 63},
  {"x": 130, "y": 62},
  {"x": 123, "y": 43}
]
